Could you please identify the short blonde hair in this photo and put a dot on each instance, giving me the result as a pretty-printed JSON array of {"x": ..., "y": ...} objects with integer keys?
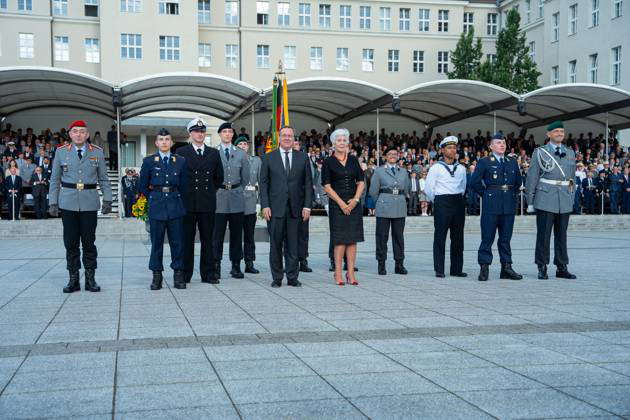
[{"x": 340, "y": 132}]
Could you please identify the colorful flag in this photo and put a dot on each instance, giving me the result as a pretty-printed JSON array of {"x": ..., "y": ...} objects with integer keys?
[{"x": 279, "y": 110}]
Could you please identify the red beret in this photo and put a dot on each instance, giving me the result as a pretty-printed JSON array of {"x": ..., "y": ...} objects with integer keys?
[{"x": 78, "y": 123}]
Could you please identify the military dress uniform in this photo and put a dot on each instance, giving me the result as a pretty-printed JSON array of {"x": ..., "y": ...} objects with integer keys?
[
  {"x": 231, "y": 205},
  {"x": 130, "y": 193},
  {"x": 497, "y": 179},
  {"x": 549, "y": 189},
  {"x": 250, "y": 193},
  {"x": 616, "y": 184},
  {"x": 588, "y": 191},
  {"x": 390, "y": 185},
  {"x": 163, "y": 180},
  {"x": 76, "y": 173},
  {"x": 39, "y": 182},
  {"x": 625, "y": 197}
]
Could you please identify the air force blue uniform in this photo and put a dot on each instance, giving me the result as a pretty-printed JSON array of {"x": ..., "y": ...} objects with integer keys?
[
  {"x": 498, "y": 183},
  {"x": 163, "y": 182}
]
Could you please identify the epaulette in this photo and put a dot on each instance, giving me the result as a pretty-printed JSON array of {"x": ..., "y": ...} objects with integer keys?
[
  {"x": 59, "y": 146},
  {"x": 94, "y": 146}
]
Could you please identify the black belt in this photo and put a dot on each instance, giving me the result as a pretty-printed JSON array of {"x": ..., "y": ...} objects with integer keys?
[
  {"x": 79, "y": 186},
  {"x": 159, "y": 188},
  {"x": 229, "y": 186},
  {"x": 395, "y": 191},
  {"x": 500, "y": 187}
]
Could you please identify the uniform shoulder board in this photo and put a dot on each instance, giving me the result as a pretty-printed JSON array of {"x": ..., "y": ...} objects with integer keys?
[
  {"x": 61, "y": 145},
  {"x": 94, "y": 146}
]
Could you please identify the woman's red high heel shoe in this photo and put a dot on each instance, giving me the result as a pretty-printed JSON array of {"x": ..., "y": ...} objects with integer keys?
[
  {"x": 354, "y": 283},
  {"x": 339, "y": 283}
]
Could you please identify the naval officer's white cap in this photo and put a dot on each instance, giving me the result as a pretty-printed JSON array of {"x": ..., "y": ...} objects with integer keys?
[
  {"x": 196, "y": 124},
  {"x": 449, "y": 140}
]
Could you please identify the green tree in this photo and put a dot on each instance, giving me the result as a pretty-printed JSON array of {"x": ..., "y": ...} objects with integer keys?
[{"x": 466, "y": 59}]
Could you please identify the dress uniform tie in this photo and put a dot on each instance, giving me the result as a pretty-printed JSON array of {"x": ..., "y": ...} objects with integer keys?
[
  {"x": 393, "y": 171},
  {"x": 80, "y": 152},
  {"x": 199, "y": 152},
  {"x": 165, "y": 160},
  {"x": 227, "y": 154},
  {"x": 500, "y": 161},
  {"x": 287, "y": 164}
]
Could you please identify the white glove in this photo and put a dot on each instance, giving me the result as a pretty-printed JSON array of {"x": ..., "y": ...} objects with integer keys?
[
  {"x": 530, "y": 208},
  {"x": 257, "y": 208},
  {"x": 326, "y": 208}
]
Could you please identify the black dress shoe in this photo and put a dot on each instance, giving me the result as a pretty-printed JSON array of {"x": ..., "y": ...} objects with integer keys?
[
  {"x": 189, "y": 277},
  {"x": 216, "y": 274},
  {"x": 542, "y": 272},
  {"x": 156, "y": 284},
  {"x": 210, "y": 279},
  {"x": 73, "y": 283},
  {"x": 304, "y": 267},
  {"x": 508, "y": 273},
  {"x": 249, "y": 268},
  {"x": 483, "y": 273},
  {"x": 236, "y": 271},
  {"x": 276, "y": 283},
  {"x": 400, "y": 269},
  {"x": 439, "y": 275},
  {"x": 332, "y": 266},
  {"x": 90, "y": 283},
  {"x": 562, "y": 272},
  {"x": 381, "y": 268},
  {"x": 179, "y": 280},
  {"x": 295, "y": 283},
  {"x": 462, "y": 274}
]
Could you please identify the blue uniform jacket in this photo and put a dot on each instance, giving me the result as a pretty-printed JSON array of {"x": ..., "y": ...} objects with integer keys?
[
  {"x": 490, "y": 172},
  {"x": 153, "y": 176}
]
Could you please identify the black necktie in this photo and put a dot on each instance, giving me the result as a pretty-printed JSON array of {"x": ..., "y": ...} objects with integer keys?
[
  {"x": 393, "y": 171},
  {"x": 287, "y": 164},
  {"x": 227, "y": 154},
  {"x": 165, "y": 160},
  {"x": 80, "y": 151},
  {"x": 501, "y": 160},
  {"x": 199, "y": 152},
  {"x": 558, "y": 151}
]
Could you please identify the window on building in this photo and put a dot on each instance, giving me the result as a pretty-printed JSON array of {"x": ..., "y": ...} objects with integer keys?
[
  {"x": 573, "y": 11},
  {"x": 365, "y": 17},
  {"x": 386, "y": 19},
  {"x": 393, "y": 60},
  {"x": 91, "y": 8},
  {"x": 316, "y": 58},
  {"x": 283, "y": 14},
  {"x": 592, "y": 68},
  {"x": 345, "y": 17},
  {"x": 3, "y": 4},
  {"x": 555, "y": 27},
  {"x": 290, "y": 55},
  {"x": 169, "y": 48},
  {"x": 324, "y": 15},
  {"x": 594, "y": 13},
  {"x": 26, "y": 45},
  {"x": 262, "y": 56},
  {"x": 343, "y": 60},
  {"x": 443, "y": 62},
  {"x": 131, "y": 46},
  {"x": 424, "y": 20},
  {"x": 541, "y": 8},
  {"x": 442, "y": 20},
  {"x": 168, "y": 7},
  {"x": 492, "y": 24},
  {"x": 262, "y": 12},
  {"x": 615, "y": 77},
  {"x": 203, "y": 12},
  {"x": 528, "y": 11},
  {"x": 305, "y": 15},
  {"x": 617, "y": 8},
  {"x": 468, "y": 21},
  {"x": 418, "y": 61},
  {"x": 572, "y": 71},
  {"x": 231, "y": 56},
  {"x": 404, "y": 20},
  {"x": 205, "y": 55},
  {"x": 25, "y": 5},
  {"x": 492, "y": 58},
  {"x": 92, "y": 50},
  {"x": 130, "y": 6},
  {"x": 367, "y": 60},
  {"x": 231, "y": 12},
  {"x": 60, "y": 7},
  {"x": 532, "y": 50},
  {"x": 62, "y": 48},
  {"x": 555, "y": 75}
]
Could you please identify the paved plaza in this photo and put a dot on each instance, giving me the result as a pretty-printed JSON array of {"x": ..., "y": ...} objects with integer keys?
[{"x": 394, "y": 347}]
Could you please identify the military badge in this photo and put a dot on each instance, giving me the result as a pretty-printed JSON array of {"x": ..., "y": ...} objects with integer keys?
[{"x": 157, "y": 158}]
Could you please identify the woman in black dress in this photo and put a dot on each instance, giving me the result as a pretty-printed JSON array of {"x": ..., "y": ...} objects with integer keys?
[{"x": 343, "y": 181}]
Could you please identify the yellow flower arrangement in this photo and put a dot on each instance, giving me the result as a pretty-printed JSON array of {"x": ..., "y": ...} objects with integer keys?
[{"x": 140, "y": 210}]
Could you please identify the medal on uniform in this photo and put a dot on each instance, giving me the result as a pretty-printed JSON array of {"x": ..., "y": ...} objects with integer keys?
[
  {"x": 492, "y": 158},
  {"x": 174, "y": 160},
  {"x": 494, "y": 176},
  {"x": 157, "y": 158}
]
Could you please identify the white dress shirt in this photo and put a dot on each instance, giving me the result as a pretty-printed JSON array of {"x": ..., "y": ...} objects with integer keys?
[
  {"x": 440, "y": 182},
  {"x": 283, "y": 154},
  {"x": 198, "y": 148}
]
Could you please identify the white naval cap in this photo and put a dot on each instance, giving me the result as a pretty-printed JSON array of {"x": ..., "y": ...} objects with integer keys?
[
  {"x": 449, "y": 140},
  {"x": 196, "y": 124}
]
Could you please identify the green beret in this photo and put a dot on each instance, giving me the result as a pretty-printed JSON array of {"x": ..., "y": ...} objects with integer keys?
[
  {"x": 554, "y": 125},
  {"x": 241, "y": 139}
]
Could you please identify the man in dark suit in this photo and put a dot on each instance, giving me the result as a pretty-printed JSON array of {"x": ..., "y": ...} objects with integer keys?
[
  {"x": 286, "y": 194},
  {"x": 13, "y": 193},
  {"x": 39, "y": 182},
  {"x": 205, "y": 176},
  {"x": 130, "y": 191},
  {"x": 588, "y": 190}
]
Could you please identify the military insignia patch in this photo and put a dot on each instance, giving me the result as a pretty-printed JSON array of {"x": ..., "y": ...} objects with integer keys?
[
  {"x": 157, "y": 158},
  {"x": 492, "y": 158},
  {"x": 494, "y": 176},
  {"x": 174, "y": 159}
]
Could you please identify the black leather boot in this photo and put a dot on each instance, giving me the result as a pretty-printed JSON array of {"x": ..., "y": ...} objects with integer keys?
[
  {"x": 249, "y": 268},
  {"x": 156, "y": 284},
  {"x": 217, "y": 271},
  {"x": 542, "y": 272},
  {"x": 562, "y": 272},
  {"x": 90, "y": 283},
  {"x": 508, "y": 273},
  {"x": 188, "y": 276},
  {"x": 236, "y": 271},
  {"x": 304, "y": 267},
  {"x": 73, "y": 283},
  {"x": 483, "y": 273},
  {"x": 381, "y": 268},
  {"x": 179, "y": 279},
  {"x": 400, "y": 268}
]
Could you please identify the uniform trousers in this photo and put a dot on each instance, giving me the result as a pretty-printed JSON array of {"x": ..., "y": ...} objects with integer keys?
[
  {"x": 79, "y": 228},
  {"x": 175, "y": 230},
  {"x": 545, "y": 222},
  {"x": 490, "y": 223},
  {"x": 449, "y": 214},
  {"x": 383, "y": 225},
  {"x": 249, "y": 240},
  {"x": 204, "y": 221},
  {"x": 625, "y": 207},
  {"x": 221, "y": 221}
]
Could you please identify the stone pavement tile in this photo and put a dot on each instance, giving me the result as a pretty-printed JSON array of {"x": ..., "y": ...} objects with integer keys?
[
  {"x": 337, "y": 365},
  {"x": 529, "y": 403},
  {"x": 420, "y": 362},
  {"x": 490, "y": 319},
  {"x": 215, "y": 412},
  {"x": 189, "y": 355},
  {"x": 168, "y": 396},
  {"x": 347, "y": 315},
  {"x": 58, "y": 380},
  {"x": 434, "y": 406},
  {"x": 75, "y": 335},
  {"x": 365, "y": 324},
  {"x": 492, "y": 341},
  {"x": 75, "y": 361},
  {"x": 165, "y": 374},
  {"x": 262, "y": 369},
  {"x": 551, "y": 318},
  {"x": 128, "y": 333},
  {"x": 18, "y": 337},
  {"x": 384, "y": 383},
  {"x": 478, "y": 379},
  {"x": 616, "y": 337},
  {"x": 327, "y": 349},
  {"x": 431, "y": 322},
  {"x": 623, "y": 368},
  {"x": 320, "y": 409},
  {"x": 230, "y": 328},
  {"x": 614, "y": 398},
  {"x": 408, "y": 345},
  {"x": 57, "y": 403},
  {"x": 572, "y": 375},
  {"x": 558, "y": 339},
  {"x": 279, "y": 389},
  {"x": 522, "y": 355},
  {"x": 604, "y": 353},
  {"x": 10, "y": 364},
  {"x": 247, "y": 352}
]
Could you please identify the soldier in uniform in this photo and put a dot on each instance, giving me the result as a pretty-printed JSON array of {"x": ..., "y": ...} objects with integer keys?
[
  {"x": 77, "y": 169},
  {"x": 163, "y": 180},
  {"x": 549, "y": 186},
  {"x": 130, "y": 191},
  {"x": 625, "y": 206},
  {"x": 497, "y": 179},
  {"x": 230, "y": 201},
  {"x": 251, "y": 203},
  {"x": 616, "y": 182},
  {"x": 588, "y": 188},
  {"x": 389, "y": 186},
  {"x": 205, "y": 176},
  {"x": 39, "y": 183},
  {"x": 303, "y": 227}
]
